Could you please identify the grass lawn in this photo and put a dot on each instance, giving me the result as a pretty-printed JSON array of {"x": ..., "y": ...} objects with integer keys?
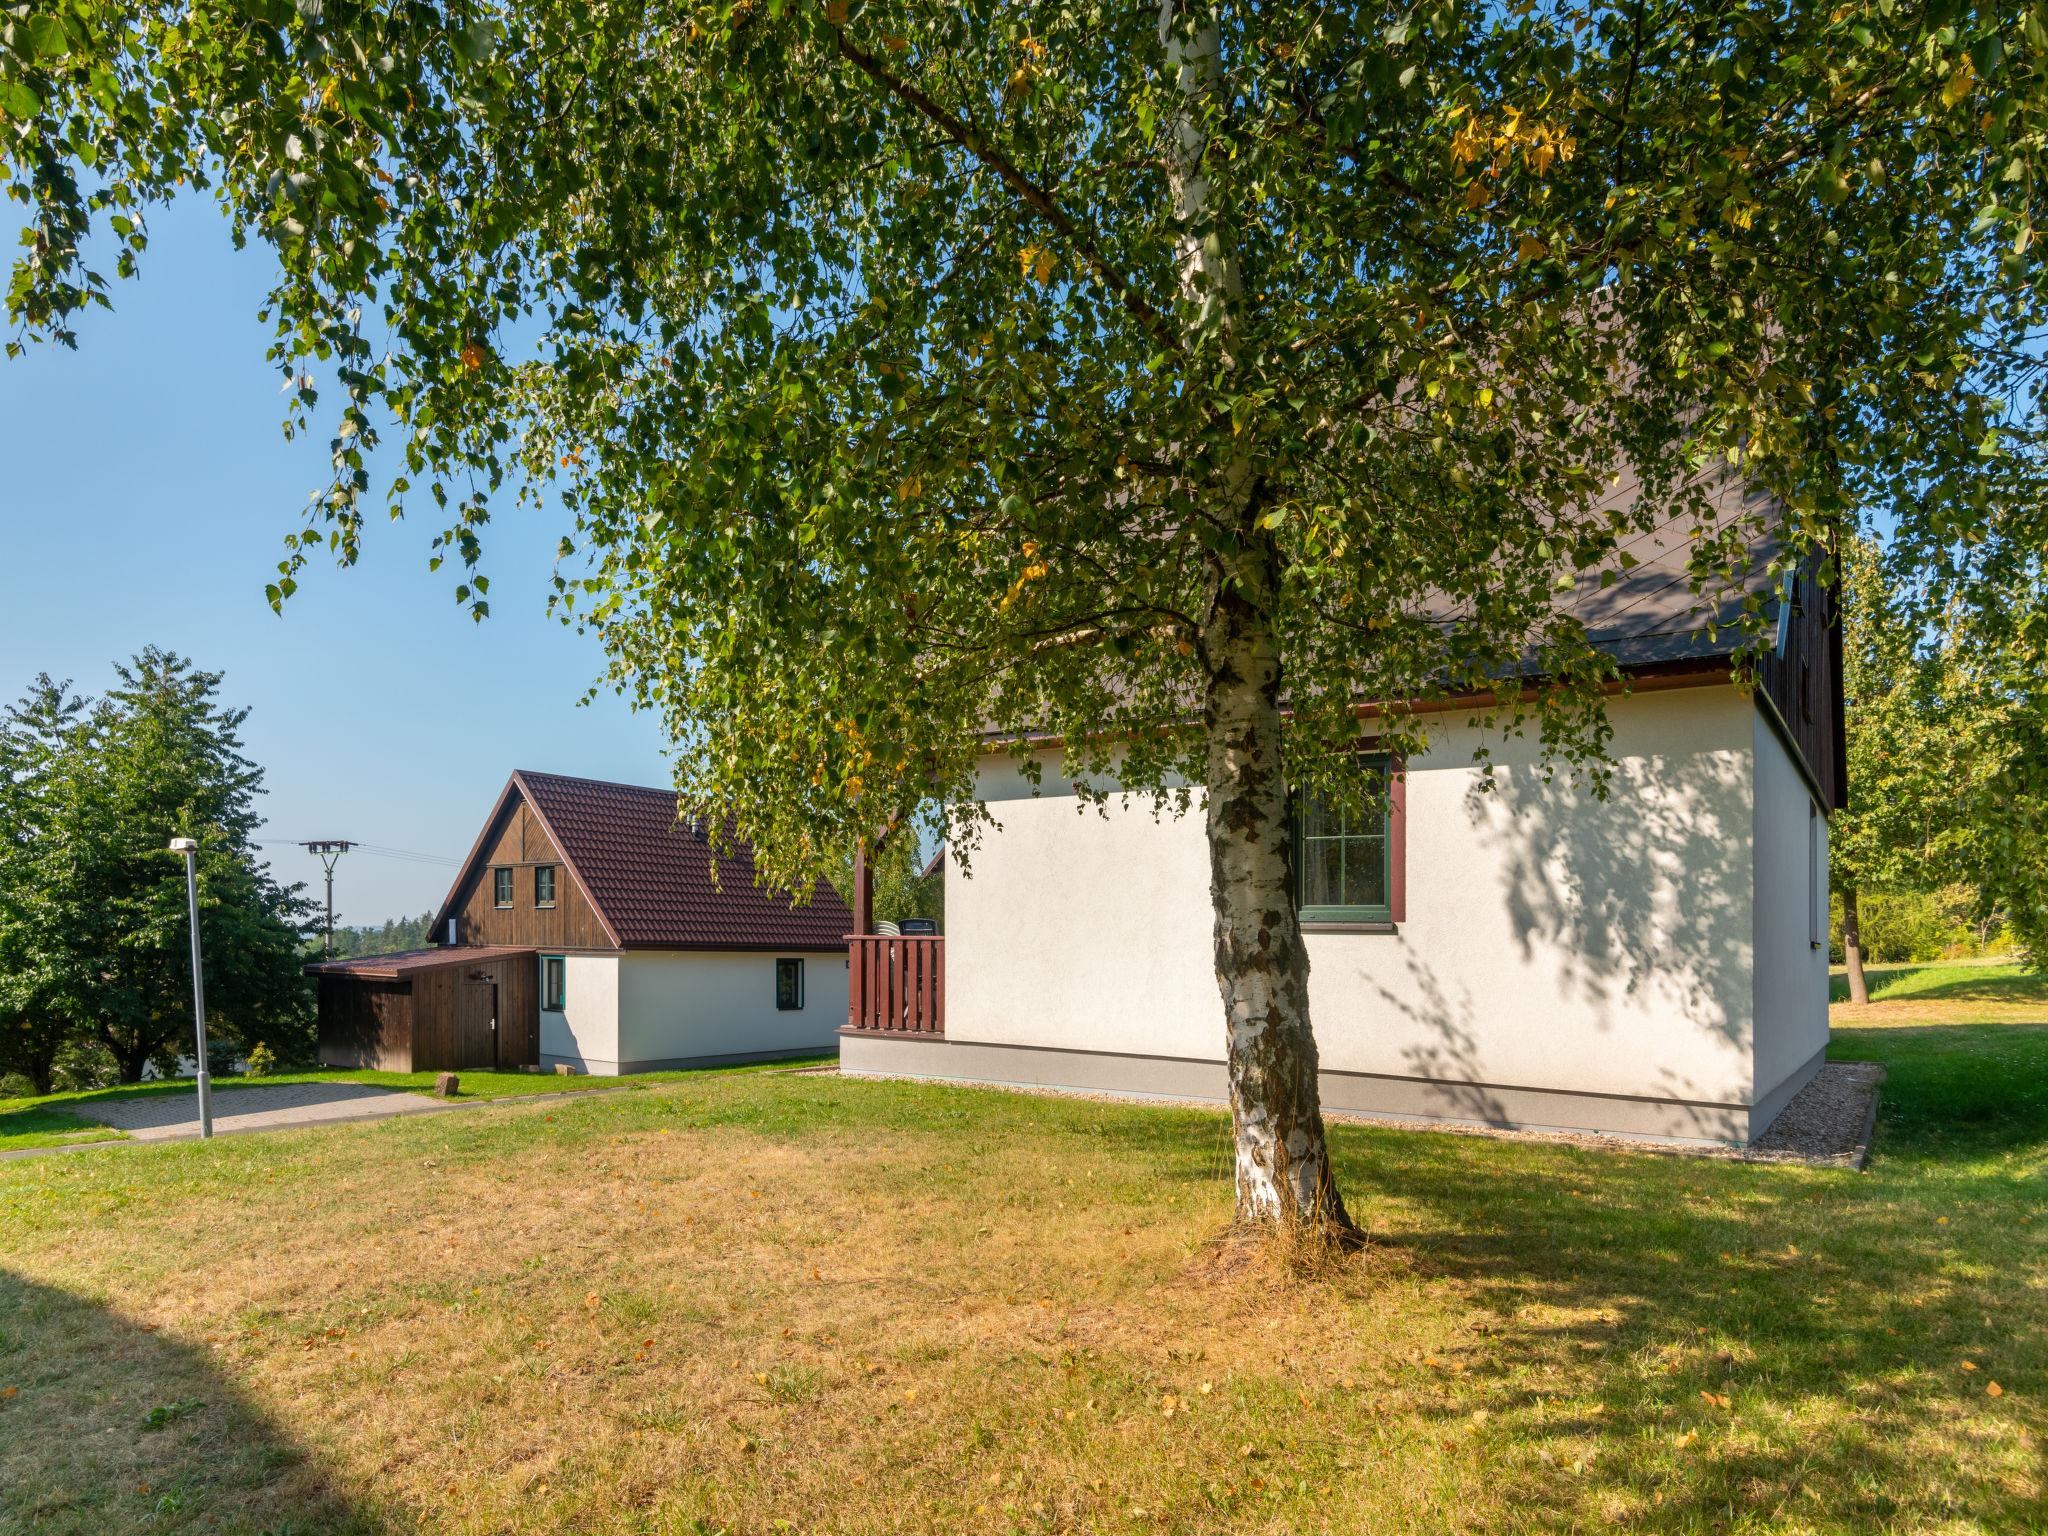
[
  {"x": 799, "y": 1303},
  {"x": 58, "y": 1118}
]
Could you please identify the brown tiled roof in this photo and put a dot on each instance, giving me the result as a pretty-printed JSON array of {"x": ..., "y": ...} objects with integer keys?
[
  {"x": 406, "y": 961},
  {"x": 649, "y": 876}
]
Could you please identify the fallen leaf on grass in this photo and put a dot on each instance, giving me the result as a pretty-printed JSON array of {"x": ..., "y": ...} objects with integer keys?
[{"x": 1993, "y": 1389}]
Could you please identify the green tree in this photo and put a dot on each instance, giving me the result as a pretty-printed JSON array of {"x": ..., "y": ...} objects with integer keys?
[
  {"x": 104, "y": 950},
  {"x": 392, "y": 936},
  {"x": 901, "y": 887},
  {"x": 1947, "y": 748},
  {"x": 1901, "y": 754},
  {"x": 44, "y": 989},
  {"x": 1106, "y": 372}
]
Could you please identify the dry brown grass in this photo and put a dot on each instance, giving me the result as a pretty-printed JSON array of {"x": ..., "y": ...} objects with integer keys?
[{"x": 818, "y": 1305}]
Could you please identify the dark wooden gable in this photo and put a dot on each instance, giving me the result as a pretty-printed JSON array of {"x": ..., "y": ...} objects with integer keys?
[
  {"x": 1802, "y": 685},
  {"x": 516, "y": 840}
]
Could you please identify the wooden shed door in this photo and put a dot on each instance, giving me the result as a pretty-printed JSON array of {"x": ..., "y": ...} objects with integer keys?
[{"x": 476, "y": 1042}]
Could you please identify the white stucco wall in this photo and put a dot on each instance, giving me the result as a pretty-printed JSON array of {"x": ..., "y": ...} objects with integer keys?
[
  {"x": 1791, "y": 999},
  {"x": 1552, "y": 940},
  {"x": 677, "y": 1006},
  {"x": 585, "y": 1033}
]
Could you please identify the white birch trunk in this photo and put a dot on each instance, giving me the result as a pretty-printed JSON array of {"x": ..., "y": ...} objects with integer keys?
[{"x": 1284, "y": 1180}]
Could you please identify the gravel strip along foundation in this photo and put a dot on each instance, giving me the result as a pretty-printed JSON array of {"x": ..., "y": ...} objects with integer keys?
[{"x": 1828, "y": 1123}]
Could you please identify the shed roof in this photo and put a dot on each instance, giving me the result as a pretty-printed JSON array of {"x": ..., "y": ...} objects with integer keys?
[
  {"x": 649, "y": 876},
  {"x": 397, "y": 966}
]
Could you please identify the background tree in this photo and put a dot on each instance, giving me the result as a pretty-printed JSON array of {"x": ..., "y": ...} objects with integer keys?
[
  {"x": 1901, "y": 754},
  {"x": 44, "y": 991},
  {"x": 167, "y": 762},
  {"x": 1105, "y": 371},
  {"x": 902, "y": 889},
  {"x": 1945, "y": 752},
  {"x": 392, "y": 936},
  {"x": 94, "y": 936}
]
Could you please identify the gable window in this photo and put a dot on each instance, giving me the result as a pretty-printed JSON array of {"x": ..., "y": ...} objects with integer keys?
[
  {"x": 501, "y": 887},
  {"x": 544, "y": 885},
  {"x": 1345, "y": 861},
  {"x": 789, "y": 985},
  {"x": 554, "y": 983}
]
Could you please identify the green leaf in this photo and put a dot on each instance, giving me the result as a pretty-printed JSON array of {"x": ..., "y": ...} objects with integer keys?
[{"x": 46, "y": 37}]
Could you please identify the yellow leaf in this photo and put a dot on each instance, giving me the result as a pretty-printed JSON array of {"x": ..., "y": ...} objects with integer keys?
[
  {"x": 1529, "y": 247},
  {"x": 1959, "y": 83},
  {"x": 1993, "y": 1389},
  {"x": 1969, "y": 1365}
]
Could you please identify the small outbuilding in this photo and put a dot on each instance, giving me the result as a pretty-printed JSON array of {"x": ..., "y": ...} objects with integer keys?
[{"x": 430, "y": 1010}]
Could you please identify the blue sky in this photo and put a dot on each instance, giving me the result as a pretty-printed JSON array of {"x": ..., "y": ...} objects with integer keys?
[{"x": 145, "y": 489}]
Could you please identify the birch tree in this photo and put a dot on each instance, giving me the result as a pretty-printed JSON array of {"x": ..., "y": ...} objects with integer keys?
[{"x": 1208, "y": 387}]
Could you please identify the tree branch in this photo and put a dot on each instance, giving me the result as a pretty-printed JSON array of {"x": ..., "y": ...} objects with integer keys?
[{"x": 1029, "y": 192}]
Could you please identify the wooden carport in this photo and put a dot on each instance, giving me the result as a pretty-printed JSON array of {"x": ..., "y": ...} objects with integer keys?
[{"x": 431, "y": 1010}]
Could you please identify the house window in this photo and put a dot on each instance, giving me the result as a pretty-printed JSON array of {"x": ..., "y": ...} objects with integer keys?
[
  {"x": 501, "y": 887},
  {"x": 789, "y": 985},
  {"x": 554, "y": 983},
  {"x": 1343, "y": 861},
  {"x": 544, "y": 885},
  {"x": 1816, "y": 880}
]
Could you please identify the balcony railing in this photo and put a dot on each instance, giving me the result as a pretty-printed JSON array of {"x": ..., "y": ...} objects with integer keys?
[{"x": 896, "y": 985}]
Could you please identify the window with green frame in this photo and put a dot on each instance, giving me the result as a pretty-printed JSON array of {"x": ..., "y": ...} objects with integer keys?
[
  {"x": 1343, "y": 870},
  {"x": 554, "y": 983}
]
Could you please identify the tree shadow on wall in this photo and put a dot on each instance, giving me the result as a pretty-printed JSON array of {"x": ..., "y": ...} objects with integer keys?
[
  {"x": 1647, "y": 891},
  {"x": 107, "y": 1425}
]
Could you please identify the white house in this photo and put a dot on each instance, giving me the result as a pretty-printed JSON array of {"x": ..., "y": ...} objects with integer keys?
[
  {"x": 586, "y": 929},
  {"x": 1652, "y": 964}
]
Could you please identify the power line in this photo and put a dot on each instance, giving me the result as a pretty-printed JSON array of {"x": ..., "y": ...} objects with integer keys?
[{"x": 370, "y": 848}]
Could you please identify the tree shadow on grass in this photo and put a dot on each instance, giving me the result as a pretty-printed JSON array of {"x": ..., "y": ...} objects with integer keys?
[
  {"x": 106, "y": 1425},
  {"x": 1830, "y": 1311},
  {"x": 1954, "y": 1093},
  {"x": 1895, "y": 983}
]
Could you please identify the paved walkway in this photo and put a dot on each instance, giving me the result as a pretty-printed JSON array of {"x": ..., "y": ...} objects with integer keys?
[{"x": 265, "y": 1107}]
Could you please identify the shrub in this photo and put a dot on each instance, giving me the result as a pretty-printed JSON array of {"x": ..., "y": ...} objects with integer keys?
[
  {"x": 1901, "y": 927},
  {"x": 261, "y": 1061}
]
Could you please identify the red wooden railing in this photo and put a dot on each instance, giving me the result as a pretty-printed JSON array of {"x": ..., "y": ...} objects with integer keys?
[{"x": 896, "y": 984}]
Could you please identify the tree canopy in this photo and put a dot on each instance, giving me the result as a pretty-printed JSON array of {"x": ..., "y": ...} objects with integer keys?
[
  {"x": 95, "y": 964},
  {"x": 1097, "y": 370}
]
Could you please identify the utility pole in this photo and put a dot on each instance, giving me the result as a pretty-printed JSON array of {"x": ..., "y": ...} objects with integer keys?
[{"x": 330, "y": 851}]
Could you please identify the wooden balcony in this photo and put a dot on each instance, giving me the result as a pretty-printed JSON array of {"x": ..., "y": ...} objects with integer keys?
[{"x": 896, "y": 986}]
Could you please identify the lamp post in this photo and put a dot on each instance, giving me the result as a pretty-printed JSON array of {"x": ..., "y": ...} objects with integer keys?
[{"x": 189, "y": 846}]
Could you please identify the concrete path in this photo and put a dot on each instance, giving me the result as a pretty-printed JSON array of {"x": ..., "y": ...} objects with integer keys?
[
  {"x": 281, "y": 1107},
  {"x": 272, "y": 1107}
]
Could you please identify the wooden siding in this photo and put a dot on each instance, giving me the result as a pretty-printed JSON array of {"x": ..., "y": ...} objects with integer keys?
[
  {"x": 518, "y": 843},
  {"x": 366, "y": 1024},
  {"x": 440, "y": 1043},
  {"x": 416, "y": 1024},
  {"x": 1804, "y": 687}
]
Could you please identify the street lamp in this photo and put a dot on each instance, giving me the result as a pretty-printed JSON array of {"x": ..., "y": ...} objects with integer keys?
[{"x": 189, "y": 846}]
